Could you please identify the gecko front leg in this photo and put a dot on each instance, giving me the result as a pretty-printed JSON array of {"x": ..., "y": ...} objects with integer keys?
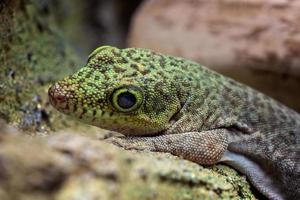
[{"x": 205, "y": 147}]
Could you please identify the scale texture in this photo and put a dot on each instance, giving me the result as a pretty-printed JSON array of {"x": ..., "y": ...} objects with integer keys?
[{"x": 170, "y": 104}]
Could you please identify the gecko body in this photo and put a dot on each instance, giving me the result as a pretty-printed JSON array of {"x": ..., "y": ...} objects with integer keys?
[{"x": 170, "y": 104}]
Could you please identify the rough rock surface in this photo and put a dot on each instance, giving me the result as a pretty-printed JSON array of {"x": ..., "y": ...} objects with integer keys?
[
  {"x": 256, "y": 42},
  {"x": 69, "y": 166}
]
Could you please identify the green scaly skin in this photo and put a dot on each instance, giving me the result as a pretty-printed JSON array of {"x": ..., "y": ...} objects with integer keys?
[{"x": 189, "y": 111}]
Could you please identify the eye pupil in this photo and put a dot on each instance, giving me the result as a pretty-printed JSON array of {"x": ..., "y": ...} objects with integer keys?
[{"x": 126, "y": 100}]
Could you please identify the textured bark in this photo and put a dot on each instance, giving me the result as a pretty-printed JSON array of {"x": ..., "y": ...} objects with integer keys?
[
  {"x": 65, "y": 165},
  {"x": 256, "y": 42}
]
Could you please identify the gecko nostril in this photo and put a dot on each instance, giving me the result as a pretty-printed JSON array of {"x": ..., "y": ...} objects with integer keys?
[{"x": 60, "y": 98}]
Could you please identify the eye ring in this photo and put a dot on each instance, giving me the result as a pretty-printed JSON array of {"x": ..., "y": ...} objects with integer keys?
[{"x": 127, "y": 98}]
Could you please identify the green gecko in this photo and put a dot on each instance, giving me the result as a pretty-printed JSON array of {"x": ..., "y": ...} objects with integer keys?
[{"x": 170, "y": 104}]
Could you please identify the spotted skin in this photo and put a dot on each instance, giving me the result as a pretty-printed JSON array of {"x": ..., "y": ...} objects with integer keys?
[{"x": 190, "y": 111}]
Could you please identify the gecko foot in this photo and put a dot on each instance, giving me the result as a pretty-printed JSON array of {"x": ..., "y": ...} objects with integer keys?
[{"x": 131, "y": 143}]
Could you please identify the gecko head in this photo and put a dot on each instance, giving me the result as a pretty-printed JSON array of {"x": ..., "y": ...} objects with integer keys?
[{"x": 123, "y": 90}]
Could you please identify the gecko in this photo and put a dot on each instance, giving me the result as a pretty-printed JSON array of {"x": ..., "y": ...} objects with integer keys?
[{"x": 170, "y": 104}]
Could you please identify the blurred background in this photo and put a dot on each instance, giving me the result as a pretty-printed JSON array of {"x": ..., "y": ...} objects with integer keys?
[
  {"x": 89, "y": 24},
  {"x": 256, "y": 42}
]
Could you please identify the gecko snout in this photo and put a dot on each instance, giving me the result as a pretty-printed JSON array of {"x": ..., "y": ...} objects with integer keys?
[{"x": 57, "y": 97}]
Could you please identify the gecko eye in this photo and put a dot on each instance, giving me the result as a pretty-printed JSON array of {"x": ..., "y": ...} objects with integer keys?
[{"x": 127, "y": 98}]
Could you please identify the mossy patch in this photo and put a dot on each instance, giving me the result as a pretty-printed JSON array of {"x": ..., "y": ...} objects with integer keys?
[{"x": 33, "y": 55}]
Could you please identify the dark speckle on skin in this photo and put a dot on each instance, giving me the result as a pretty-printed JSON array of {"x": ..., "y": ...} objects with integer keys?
[
  {"x": 134, "y": 66},
  {"x": 118, "y": 69}
]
